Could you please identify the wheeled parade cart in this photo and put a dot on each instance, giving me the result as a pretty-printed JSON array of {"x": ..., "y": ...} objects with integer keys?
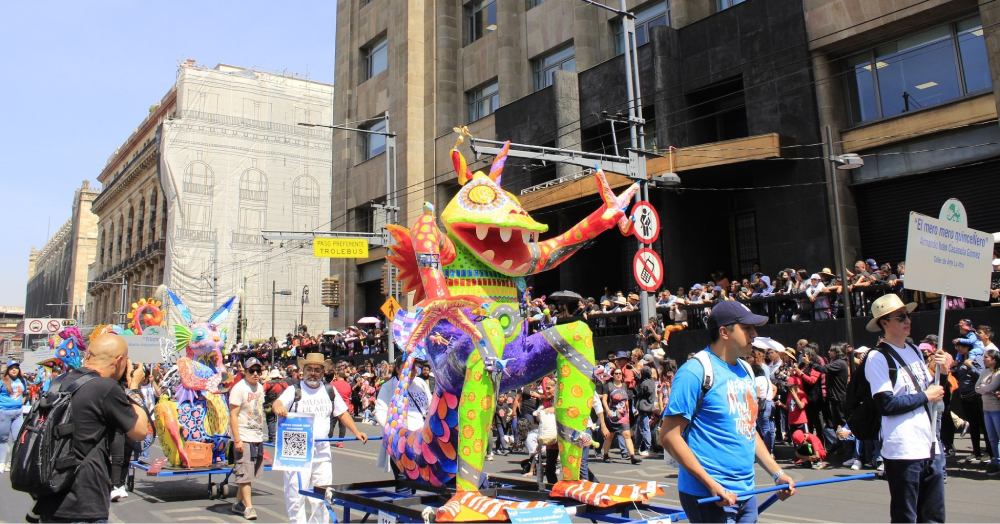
[{"x": 404, "y": 501}]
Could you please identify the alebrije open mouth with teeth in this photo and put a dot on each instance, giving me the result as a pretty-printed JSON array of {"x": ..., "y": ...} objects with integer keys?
[{"x": 466, "y": 323}]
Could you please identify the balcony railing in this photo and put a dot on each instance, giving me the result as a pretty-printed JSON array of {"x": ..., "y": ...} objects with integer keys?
[
  {"x": 248, "y": 238},
  {"x": 198, "y": 189},
  {"x": 196, "y": 235},
  {"x": 250, "y": 194}
]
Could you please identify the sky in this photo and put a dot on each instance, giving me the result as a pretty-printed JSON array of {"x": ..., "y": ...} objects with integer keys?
[{"x": 79, "y": 77}]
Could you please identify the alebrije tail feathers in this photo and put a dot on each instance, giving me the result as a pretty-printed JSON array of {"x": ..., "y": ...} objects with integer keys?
[{"x": 403, "y": 256}]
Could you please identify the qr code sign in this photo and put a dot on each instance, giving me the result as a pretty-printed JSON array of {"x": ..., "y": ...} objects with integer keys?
[{"x": 294, "y": 444}]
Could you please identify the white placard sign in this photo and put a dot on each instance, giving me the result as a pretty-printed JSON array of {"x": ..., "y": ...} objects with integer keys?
[
  {"x": 148, "y": 348},
  {"x": 947, "y": 258}
]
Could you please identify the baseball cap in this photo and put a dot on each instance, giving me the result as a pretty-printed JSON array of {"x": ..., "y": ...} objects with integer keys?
[
  {"x": 252, "y": 362},
  {"x": 12, "y": 363},
  {"x": 731, "y": 312}
]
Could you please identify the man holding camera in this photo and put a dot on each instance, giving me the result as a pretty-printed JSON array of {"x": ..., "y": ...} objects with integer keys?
[{"x": 100, "y": 407}]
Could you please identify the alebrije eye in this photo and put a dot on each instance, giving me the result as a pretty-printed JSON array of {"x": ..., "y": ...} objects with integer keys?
[{"x": 482, "y": 195}]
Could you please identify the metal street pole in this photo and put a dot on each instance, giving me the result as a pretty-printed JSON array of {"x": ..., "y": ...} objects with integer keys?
[
  {"x": 274, "y": 288},
  {"x": 839, "y": 257},
  {"x": 302, "y": 308}
]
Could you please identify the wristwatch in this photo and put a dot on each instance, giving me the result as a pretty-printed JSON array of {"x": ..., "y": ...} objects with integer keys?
[{"x": 776, "y": 475}]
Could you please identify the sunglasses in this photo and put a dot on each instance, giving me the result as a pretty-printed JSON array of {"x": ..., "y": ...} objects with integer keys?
[
  {"x": 902, "y": 317},
  {"x": 254, "y": 371}
]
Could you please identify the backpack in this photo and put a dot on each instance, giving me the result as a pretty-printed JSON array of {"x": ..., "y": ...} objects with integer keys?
[
  {"x": 863, "y": 416},
  {"x": 298, "y": 397},
  {"x": 708, "y": 380},
  {"x": 43, "y": 462}
]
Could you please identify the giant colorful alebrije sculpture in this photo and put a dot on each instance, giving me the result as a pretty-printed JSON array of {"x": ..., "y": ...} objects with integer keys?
[
  {"x": 196, "y": 411},
  {"x": 466, "y": 324}
]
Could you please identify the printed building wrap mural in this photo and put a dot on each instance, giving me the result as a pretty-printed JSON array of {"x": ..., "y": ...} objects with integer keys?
[{"x": 234, "y": 162}]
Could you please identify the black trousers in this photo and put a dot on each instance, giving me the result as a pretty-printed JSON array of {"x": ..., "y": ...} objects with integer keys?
[{"x": 916, "y": 488}]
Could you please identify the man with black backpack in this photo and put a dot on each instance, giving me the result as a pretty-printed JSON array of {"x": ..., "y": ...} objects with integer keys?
[
  {"x": 62, "y": 454},
  {"x": 313, "y": 396},
  {"x": 903, "y": 392}
]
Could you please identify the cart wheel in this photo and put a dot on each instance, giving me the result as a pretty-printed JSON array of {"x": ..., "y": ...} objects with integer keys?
[
  {"x": 211, "y": 490},
  {"x": 227, "y": 491}
]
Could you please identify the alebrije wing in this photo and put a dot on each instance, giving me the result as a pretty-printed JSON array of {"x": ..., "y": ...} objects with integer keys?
[
  {"x": 182, "y": 337},
  {"x": 184, "y": 311},
  {"x": 220, "y": 314}
]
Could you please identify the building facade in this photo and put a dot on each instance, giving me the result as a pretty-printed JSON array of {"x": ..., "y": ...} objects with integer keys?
[
  {"x": 728, "y": 101},
  {"x": 11, "y": 331},
  {"x": 226, "y": 163},
  {"x": 57, "y": 273},
  {"x": 911, "y": 86}
]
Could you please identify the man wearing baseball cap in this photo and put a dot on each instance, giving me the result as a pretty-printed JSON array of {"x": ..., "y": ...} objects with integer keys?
[
  {"x": 712, "y": 434},
  {"x": 914, "y": 462}
]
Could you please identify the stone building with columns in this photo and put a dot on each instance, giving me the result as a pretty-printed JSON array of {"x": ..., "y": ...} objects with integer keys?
[
  {"x": 57, "y": 273},
  {"x": 133, "y": 219},
  {"x": 187, "y": 198}
]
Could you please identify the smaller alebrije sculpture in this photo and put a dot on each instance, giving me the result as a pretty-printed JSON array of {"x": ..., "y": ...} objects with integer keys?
[
  {"x": 196, "y": 411},
  {"x": 146, "y": 312}
]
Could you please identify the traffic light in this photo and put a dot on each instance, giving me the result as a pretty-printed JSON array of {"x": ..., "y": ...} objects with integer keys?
[
  {"x": 384, "y": 284},
  {"x": 331, "y": 292}
]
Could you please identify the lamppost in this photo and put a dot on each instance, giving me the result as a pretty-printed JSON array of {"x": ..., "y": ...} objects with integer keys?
[
  {"x": 838, "y": 163},
  {"x": 275, "y": 292},
  {"x": 302, "y": 307}
]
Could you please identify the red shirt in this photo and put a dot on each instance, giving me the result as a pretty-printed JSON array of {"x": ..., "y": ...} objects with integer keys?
[{"x": 344, "y": 389}]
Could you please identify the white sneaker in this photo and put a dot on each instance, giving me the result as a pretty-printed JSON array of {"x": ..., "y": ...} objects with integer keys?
[
  {"x": 118, "y": 493},
  {"x": 881, "y": 467},
  {"x": 3, "y": 468},
  {"x": 854, "y": 464},
  {"x": 489, "y": 457},
  {"x": 643, "y": 453}
]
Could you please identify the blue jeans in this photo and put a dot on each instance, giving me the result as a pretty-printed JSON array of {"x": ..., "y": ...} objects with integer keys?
[
  {"x": 916, "y": 488},
  {"x": 993, "y": 433},
  {"x": 765, "y": 426},
  {"x": 645, "y": 434},
  {"x": 10, "y": 425},
  {"x": 742, "y": 511}
]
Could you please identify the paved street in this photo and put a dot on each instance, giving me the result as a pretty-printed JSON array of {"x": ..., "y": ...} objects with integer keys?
[{"x": 970, "y": 493}]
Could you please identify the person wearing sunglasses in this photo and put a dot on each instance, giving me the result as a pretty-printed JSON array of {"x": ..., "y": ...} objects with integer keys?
[
  {"x": 248, "y": 427},
  {"x": 913, "y": 458}
]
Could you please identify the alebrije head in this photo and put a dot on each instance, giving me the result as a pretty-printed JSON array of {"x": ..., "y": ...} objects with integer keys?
[{"x": 200, "y": 338}]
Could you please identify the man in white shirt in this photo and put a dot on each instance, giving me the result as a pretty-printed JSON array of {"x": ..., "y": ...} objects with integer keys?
[
  {"x": 914, "y": 463},
  {"x": 420, "y": 399},
  {"x": 323, "y": 402},
  {"x": 248, "y": 427}
]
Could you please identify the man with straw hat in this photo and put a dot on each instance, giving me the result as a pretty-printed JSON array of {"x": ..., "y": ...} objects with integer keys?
[
  {"x": 914, "y": 463},
  {"x": 313, "y": 396}
]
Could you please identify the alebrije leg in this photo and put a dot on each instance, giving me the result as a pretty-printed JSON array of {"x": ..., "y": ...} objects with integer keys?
[
  {"x": 475, "y": 411},
  {"x": 575, "y": 391}
]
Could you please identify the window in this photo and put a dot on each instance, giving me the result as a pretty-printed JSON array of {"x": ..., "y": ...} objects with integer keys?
[
  {"x": 375, "y": 57},
  {"x": 924, "y": 69},
  {"x": 656, "y": 14},
  {"x": 483, "y": 100},
  {"x": 546, "y": 66},
  {"x": 198, "y": 216},
  {"x": 373, "y": 145},
  {"x": 726, "y": 4},
  {"x": 198, "y": 178},
  {"x": 480, "y": 18},
  {"x": 251, "y": 222},
  {"x": 253, "y": 185},
  {"x": 306, "y": 191}
]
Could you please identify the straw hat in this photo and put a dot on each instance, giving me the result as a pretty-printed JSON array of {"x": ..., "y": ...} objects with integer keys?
[
  {"x": 790, "y": 353},
  {"x": 312, "y": 358},
  {"x": 826, "y": 273},
  {"x": 884, "y": 305}
]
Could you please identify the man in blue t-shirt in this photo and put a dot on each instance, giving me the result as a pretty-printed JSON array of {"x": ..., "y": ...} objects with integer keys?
[{"x": 714, "y": 437}]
